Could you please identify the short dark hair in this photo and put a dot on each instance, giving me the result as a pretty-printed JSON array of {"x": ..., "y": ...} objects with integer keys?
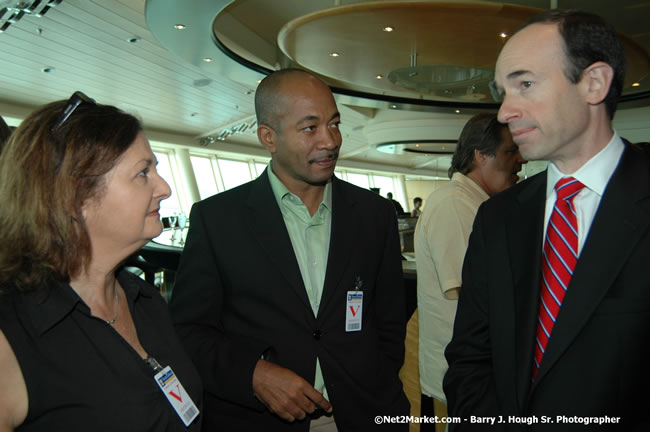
[
  {"x": 417, "y": 200},
  {"x": 484, "y": 133},
  {"x": 46, "y": 174},
  {"x": 268, "y": 96},
  {"x": 587, "y": 39}
]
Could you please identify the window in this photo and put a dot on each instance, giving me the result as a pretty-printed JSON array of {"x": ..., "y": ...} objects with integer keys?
[
  {"x": 164, "y": 168},
  {"x": 385, "y": 185},
  {"x": 204, "y": 176},
  {"x": 214, "y": 174},
  {"x": 260, "y": 167},
  {"x": 360, "y": 180},
  {"x": 233, "y": 173}
]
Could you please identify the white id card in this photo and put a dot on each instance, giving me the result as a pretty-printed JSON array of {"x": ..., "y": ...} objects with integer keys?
[
  {"x": 176, "y": 395},
  {"x": 353, "y": 311}
]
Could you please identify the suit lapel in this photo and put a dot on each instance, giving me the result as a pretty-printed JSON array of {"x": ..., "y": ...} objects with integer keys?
[
  {"x": 342, "y": 239},
  {"x": 620, "y": 220},
  {"x": 525, "y": 231},
  {"x": 267, "y": 225}
]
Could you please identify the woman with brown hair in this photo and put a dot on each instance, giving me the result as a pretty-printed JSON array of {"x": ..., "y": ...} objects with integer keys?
[{"x": 84, "y": 344}]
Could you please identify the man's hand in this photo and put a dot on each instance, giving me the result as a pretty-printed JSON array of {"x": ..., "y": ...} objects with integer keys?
[{"x": 285, "y": 393}]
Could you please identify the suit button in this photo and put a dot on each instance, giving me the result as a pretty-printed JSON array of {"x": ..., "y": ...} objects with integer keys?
[{"x": 317, "y": 334}]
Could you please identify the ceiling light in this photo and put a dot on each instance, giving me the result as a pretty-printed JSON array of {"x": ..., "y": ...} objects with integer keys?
[
  {"x": 202, "y": 82},
  {"x": 393, "y": 106},
  {"x": 207, "y": 59},
  {"x": 388, "y": 29},
  {"x": 379, "y": 76},
  {"x": 334, "y": 54},
  {"x": 179, "y": 26},
  {"x": 134, "y": 40},
  {"x": 47, "y": 69},
  {"x": 636, "y": 84},
  {"x": 457, "y": 111},
  {"x": 503, "y": 35}
]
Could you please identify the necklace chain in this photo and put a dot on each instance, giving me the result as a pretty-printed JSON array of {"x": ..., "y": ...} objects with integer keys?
[{"x": 111, "y": 322}]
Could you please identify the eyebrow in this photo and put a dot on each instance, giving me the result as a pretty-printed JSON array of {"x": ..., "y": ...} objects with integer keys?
[
  {"x": 517, "y": 74},
  {"x": 149, "y": 162},
  {"x": 497, "y": 89},
  {"x": 313, "y": 117}
]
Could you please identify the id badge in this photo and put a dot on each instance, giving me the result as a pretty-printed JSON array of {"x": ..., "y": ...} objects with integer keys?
[
  {"x": 353, "y": 311},
  {"x": 176, "y": 395}
]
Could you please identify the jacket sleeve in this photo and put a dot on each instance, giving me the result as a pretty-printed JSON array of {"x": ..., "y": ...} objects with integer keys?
[
  {"x": 469, "y": 383},
  {"x": 225, "y": 361}
]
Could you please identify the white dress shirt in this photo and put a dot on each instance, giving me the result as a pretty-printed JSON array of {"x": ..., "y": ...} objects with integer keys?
[{"x": 595, "y": 175}]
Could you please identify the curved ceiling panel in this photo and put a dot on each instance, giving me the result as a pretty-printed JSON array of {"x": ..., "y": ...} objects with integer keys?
[{"x": 436, "y": 54}]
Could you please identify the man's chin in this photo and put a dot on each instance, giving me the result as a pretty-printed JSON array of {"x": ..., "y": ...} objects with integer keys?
[{"x": 318, "y": 182}]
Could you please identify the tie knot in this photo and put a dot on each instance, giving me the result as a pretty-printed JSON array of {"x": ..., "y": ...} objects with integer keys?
[{"x": 567, "y": 188}]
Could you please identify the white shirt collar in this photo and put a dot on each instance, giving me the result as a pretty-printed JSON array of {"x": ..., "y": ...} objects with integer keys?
[{"x": 596, "y": 172}]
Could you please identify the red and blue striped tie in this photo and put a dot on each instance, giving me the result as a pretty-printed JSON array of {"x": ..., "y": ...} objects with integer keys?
[{"x": 558, "y": 261}]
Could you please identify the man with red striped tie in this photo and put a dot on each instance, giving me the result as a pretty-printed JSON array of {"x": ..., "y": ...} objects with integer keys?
[{"x": 553, "y": 320}]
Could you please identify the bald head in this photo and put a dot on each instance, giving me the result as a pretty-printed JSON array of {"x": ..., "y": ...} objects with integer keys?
[{"x": 271, "y": 94}]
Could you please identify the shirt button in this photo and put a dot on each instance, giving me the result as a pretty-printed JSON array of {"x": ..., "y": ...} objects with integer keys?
[{"x": 317, "y": 335}]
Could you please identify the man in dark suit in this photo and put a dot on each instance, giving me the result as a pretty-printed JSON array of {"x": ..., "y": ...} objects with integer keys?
[
  {"x": 553, "y": 318},
  {"x": 398, "y": 207},
  {"x": 289, "y": 291}
]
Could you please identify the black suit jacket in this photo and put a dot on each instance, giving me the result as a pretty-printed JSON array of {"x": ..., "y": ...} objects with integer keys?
[
  {"x": 596, "y": 360},
  {"x": 239, "y": 294}
]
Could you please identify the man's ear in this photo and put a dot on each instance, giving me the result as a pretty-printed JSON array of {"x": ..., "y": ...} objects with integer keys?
[
  {"x": 480, "y": 158},
  {"x": 596, "y": 81},
  {"x": 266, "y": 135}
]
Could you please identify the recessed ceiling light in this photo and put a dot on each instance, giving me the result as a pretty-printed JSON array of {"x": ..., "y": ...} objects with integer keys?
[
  {"x": 334, "y": 54},
  {"x": 47, "y": 69},
  {"x": 388, "y": 29},
  {"x": 379, "y": 76},
  {"x": 134, "y": 40},
  {"x": 393, "y": 106},
  {"x": 179, "y": 26},
  {"x": 457, "y": 111},
  {"x": 636, "y": 84},
  {"x": 503, "y": 35},
  {"x": 194, "y": 114},
  {"x": 207, "y": 59}
]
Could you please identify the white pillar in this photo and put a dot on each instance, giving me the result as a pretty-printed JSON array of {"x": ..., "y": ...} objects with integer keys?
[{"x": 188, "y": 178}]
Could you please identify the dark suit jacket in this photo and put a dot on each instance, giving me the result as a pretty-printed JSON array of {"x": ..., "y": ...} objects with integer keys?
[
  {"x": 596, "y": 360},
  {"x": 239, "y": 294}
]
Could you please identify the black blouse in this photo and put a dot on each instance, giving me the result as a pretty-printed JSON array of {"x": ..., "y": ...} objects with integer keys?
[{"x": 82, "y": 375}]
